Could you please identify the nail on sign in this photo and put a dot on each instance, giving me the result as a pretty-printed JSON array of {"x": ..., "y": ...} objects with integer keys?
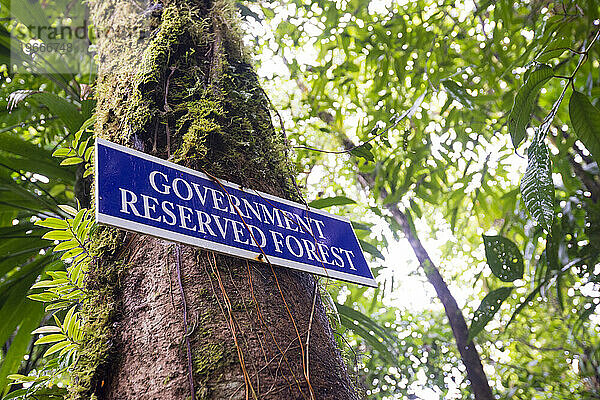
[{"x": 142, "y": 193}]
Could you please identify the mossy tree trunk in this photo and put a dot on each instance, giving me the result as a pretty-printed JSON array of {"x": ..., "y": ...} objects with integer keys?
[{"x": 174, "y": 82}]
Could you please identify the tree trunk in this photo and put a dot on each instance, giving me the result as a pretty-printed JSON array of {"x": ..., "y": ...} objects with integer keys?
[{"x": 169, "y": 321}]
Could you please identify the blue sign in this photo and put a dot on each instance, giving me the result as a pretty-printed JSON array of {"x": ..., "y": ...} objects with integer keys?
[{"x": 142, "y": 193}]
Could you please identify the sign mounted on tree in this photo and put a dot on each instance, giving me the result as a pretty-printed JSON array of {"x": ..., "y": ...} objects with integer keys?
[{"x": 146, "y": 194}]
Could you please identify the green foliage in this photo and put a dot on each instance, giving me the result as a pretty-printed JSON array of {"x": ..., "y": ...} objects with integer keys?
[
  {"x": 30, "y": 316},
  {"x": 33, "y": 191},
  {"x": 73, "y": 234},
  {"x": 537, "y": 187},
  {"x": 63, "y": 291},
  {"x": 37, "y": 392},
  {"x": 487, "y": 309},
  {"x": 504, "y": 258},
  {"x": 331, "y": 201},
  {"x": 525, "y": 102},
  {"x": 371, "y": 249},
  {"x": 458, "y": 93},
  {"x": 470, "y": 82},
  {"x": 585, "y": 119},
  {"x": 57, "y": 105},
  {"x": 66, "y": 336},
  {"x": 79, "y": 151},
  {"x": 363, "y": 151},
  {"x": 377, "y": 337},
  {"x": 491, "y": 74}
]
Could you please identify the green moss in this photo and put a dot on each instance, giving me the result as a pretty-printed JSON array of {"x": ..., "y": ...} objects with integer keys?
[
  {"x": 141, "y": 111},
  {"x": 173, "y": 25},
  {"x": 167, "y": 380},
  {"x": 106, "y": 242},
  {"x": 208, "y": 358},
  {"x": 196, "y": 124},
  {"x": 242, "y": 305},
  {"x": 95, "y": 349},
  {"x": 98, "y": 311},
  {"x": 180, "y": 31},
  {"x": 195, "y": 86}
]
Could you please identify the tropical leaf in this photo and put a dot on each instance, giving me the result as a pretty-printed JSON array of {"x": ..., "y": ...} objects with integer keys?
[
  {"x": 459, "y": 93},
  {"x": 18, "y": 251},
  {"x": 28, "y": 13},
  {"x": 530, "y": 297},
  {"x": 16, "y": 145},
  {"x": 46, "y": 329},
  {"x": 31, "y": 316},
  {"x": 363, "y": 151},
  {"x": 59, "y": 106},
  {"x": 375, "y": 335},
  {"x": 64, "y": 152},
  {"x": 56, "y": 348},
  {"x": 54, "y": 223},
  {"x": 371, "y": 249},
  {"x": 14, "y": 291},
  {"x": 78, "y": 152},
  {"x": 585, "y": 119},
  {"x": 21, "y": 154},
  {"x": 525, "y": 101},
  {"x": 39, "y": 392},
  {"x": 331, "y": 201},
  {"x": 487, "y": 309},
  {"x": 19, "y": 312},
  {"x": 52, "y": 338},
  {"x": 504, "y": 258},
  {"x": 58, "y": 235},
  {"x": 537, "y": 187},
  {"x": 68, "y": 209},
  {"x": 71, "y": 161}
]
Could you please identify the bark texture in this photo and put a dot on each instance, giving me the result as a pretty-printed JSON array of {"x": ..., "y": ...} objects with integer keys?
[{"x": 174, "y": 82}]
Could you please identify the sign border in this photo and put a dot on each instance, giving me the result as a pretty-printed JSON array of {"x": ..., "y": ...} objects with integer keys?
[{"x": 218, "y": 247}]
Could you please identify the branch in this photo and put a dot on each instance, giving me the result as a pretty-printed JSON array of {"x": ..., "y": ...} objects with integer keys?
[
  {"x": 531, "y": 346},
  {"x": 396, "y": 121},
  {"x": 468, "y": 351},
  {"x": 570, "y": 82}
]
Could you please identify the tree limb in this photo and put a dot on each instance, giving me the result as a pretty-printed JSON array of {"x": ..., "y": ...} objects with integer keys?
[{"x": 468, "y": 351}]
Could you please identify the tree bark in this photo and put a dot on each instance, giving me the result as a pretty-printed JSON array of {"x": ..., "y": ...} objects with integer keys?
[{"x": 168, "y": 321}]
